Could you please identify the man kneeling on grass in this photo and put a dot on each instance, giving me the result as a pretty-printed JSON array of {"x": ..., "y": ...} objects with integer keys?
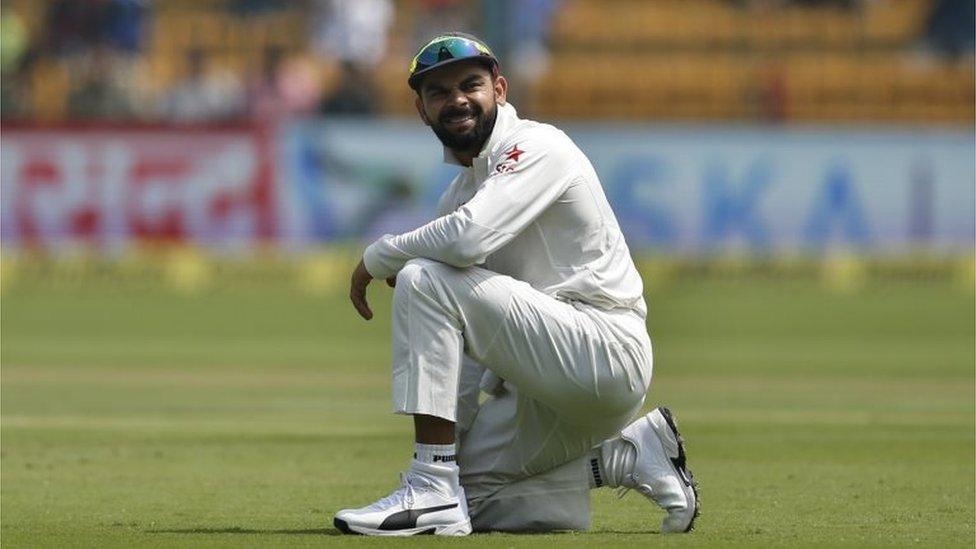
[{"x": 523, "y": 289}]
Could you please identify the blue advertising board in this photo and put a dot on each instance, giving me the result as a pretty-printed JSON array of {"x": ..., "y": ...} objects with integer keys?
[{"x": 691, "y": 190}]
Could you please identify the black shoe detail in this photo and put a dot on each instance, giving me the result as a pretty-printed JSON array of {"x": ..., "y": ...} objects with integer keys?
[
  {"x": 406, "y": 519},
  {"x": 595, "y": 469},
  {"x": 443, "y": 459},
  {"x": 343, "y": 527},
  {"x": 681, "y": 464}
]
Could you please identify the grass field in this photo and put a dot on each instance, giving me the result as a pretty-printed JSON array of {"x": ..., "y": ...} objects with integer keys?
[{"x": 141, "y": 417}]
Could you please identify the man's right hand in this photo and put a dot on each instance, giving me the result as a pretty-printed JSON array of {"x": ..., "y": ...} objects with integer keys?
[{"x": 357, "y": 290}]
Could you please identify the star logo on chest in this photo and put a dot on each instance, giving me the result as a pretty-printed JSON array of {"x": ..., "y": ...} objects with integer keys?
[{"x": 513, "y": 153}]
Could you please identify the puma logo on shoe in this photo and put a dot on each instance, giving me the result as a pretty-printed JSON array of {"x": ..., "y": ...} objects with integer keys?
[
  {"x": 406, "y": 519},
  {"x": 430, "y": 500}
]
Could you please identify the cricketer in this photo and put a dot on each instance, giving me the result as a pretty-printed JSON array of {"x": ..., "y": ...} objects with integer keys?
[{"x": 522, "y": 289}]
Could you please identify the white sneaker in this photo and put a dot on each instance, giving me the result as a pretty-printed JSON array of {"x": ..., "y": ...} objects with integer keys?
[
  {"x": 660, "y": 471},
  {"x": 429, "y": 501}
]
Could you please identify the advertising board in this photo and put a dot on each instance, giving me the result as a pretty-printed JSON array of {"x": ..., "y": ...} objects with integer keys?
[
  {"x": 685, "y": 190},
  {"x": 108, "y": 186},
  {"x": 689, "y": 190}
]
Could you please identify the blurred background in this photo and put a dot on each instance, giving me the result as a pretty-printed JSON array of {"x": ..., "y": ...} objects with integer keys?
[
  {"x": 186, "y": 185},
  {"x": 752, "y": 128}
]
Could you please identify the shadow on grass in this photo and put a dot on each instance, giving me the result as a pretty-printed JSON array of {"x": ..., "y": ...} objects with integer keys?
[
  {"x": 239, "y": 530},
  {"x": 335, "y": 532}
]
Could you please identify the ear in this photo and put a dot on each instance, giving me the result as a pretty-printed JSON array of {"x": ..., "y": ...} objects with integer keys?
[
  {"x": 501, "y": 89},
  {"x": 420, "y": 110}
]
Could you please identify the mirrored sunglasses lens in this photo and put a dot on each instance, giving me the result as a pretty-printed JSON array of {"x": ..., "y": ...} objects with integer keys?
[{"x": 456, "y": 47}]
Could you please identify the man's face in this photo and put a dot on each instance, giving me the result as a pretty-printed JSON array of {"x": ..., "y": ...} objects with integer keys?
[{"x": 459, "y": 102}]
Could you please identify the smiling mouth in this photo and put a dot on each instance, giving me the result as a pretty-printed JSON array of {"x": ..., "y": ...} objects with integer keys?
[{"x": 458, "y": 120}]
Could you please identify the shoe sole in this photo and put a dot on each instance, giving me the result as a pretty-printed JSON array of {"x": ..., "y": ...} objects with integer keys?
[
  {"x": 684, "y": 472},
  {"x": 459, "y": 529}
]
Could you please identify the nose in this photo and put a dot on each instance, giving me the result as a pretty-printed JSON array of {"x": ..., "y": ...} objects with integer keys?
[{"x": 457, "y": 98}]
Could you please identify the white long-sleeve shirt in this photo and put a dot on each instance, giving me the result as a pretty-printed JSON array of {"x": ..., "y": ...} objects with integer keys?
[{"x": 530, "y": 207}]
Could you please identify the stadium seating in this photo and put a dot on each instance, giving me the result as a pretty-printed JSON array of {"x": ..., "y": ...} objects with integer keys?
[
  {"x": 618, "y": 59},
  {"x": 710, "y": 59}
]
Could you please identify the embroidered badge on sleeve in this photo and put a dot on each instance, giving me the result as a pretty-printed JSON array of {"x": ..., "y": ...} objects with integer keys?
[{"x": 511, "y": 159}]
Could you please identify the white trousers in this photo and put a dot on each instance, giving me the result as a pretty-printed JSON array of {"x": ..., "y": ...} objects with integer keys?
[{"x": 574, "y": 375}]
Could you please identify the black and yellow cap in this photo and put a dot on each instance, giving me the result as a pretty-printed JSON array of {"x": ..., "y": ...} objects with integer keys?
[{"x": 445, "y": 49}]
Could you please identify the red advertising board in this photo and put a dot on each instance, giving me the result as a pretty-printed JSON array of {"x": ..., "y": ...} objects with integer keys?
[{"x": 111, "y": 186}]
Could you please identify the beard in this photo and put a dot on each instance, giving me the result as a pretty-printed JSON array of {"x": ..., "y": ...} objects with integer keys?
[{"x": 471, "y": 140}]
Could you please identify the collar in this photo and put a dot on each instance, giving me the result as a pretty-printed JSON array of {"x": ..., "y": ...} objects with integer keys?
[{"x": 504, "y": 121}]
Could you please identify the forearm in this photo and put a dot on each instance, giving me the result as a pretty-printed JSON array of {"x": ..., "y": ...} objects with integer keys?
[
  {"x": 453, "y": 239},
  {"x": 506, "y": 203}
]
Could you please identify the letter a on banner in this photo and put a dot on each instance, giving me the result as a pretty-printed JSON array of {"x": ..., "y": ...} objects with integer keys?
[{"x": 837, "y": 205}]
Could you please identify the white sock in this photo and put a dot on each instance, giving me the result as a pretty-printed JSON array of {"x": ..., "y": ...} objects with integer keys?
[
  {"x": 440, "y": 454},
  {"x": 610, "y": 462}
]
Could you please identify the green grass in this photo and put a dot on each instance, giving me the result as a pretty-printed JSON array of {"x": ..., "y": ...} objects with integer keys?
[{"x": 248, "y": 417}]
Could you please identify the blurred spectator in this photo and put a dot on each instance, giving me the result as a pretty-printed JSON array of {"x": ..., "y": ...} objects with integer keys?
[
  {"x": 256, "y": 7},
  {"x": 97, "y": 42},
  {"x": 283, "y": 87},
  {"x": 519, "y": 32},
  {"x": 15, "y": 93},
  {"x": 772, "y": 4},
  {"x": 435, "y": 17},
  {"x": 100, "y": 95},
  {"x": 14, "y": 64},
  {"x": 13, "y": 39},
  {"x": 356, "y": 94},
  {"x": 354, "y": 31},
  {"x": 950, "y": 29},
  {"x": 300, "y": 85},
  {"x": 124, "y": 23},
  {"x": 206, "y": 94},
  {"x": 264, "y": 97},
  {"x": 772, "y": 94},
  {"x": 72, "y": 26},
  {"x": 843, "y": 4},
  {"x": 76, "y": 26},
  {"x": 530, "y": 22}
]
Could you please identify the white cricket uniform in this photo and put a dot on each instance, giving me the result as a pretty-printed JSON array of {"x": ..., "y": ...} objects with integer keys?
[{"x": 525, "y": 274}]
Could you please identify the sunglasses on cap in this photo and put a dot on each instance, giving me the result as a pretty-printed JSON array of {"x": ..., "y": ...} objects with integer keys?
[{"x": 444, "y": 50}]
